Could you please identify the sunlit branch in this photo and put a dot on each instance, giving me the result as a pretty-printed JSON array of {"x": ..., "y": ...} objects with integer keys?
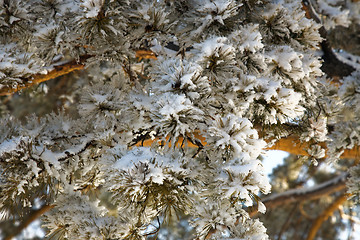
[
  {"x": 62, "y": 70},
  {"x": 58, "y": 71},
  {"x": 290, "y": 144}
]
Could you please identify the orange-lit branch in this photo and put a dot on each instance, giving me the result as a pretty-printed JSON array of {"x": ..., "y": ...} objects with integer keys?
[
  {"x": 65, "y": 69},
  {"x": 146, "y": 54},
  {"x": 39, "y": 78},
  {"x": 290, "y": 144}
]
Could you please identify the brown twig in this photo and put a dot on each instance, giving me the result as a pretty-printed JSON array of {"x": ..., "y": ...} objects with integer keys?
[
  {"x": 303, "y": 212},
  {"x": 325, "y": 215},
  {"x": 287, "y": 221},
  {"x": 28, "y": 220}
]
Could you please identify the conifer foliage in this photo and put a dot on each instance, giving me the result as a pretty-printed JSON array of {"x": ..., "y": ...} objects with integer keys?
[{"x": 239, "y": 74}]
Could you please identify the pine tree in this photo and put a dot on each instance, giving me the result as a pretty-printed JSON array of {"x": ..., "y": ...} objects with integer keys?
[{"x": 161, "y": 133}]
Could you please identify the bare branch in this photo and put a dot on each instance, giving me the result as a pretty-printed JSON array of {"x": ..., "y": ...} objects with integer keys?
[{"x": 304, "y": 194}]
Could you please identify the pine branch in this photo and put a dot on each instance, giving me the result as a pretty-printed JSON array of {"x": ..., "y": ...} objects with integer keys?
[
  {"x": 326, "y": 214},
  {"x": 290, "y": 144},
  {"x": 332, "y": 66}
]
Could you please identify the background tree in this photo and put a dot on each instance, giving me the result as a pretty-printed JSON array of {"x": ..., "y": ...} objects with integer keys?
[{"x": 160, "y": 134}]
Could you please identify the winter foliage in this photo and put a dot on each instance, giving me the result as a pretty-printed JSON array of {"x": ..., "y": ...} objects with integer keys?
[{"x": 230, "y": 78}]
